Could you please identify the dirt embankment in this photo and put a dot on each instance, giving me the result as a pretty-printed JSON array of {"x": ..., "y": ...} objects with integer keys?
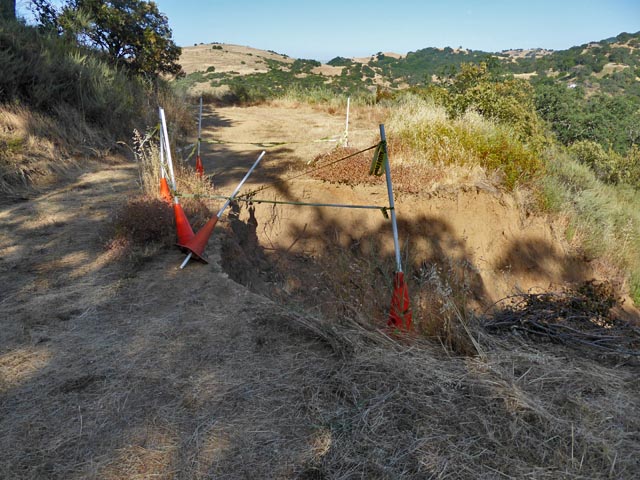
[{"x": 489, "y": 232}]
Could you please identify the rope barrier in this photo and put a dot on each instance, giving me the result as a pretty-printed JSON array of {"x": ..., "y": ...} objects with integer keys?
[
  {"x": 272, "y": 144},
  {"x": 384, "y": 209},
  {"x": 306, "y": 172}
]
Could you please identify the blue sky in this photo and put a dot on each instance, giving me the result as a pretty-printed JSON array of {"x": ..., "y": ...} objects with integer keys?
[{"x": 323, "y": 30}]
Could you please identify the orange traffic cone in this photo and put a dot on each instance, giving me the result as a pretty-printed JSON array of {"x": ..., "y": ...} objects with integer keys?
[
  {"x": 183, "y": 227},
  {"x": 400, "y": 314},
  {"x": 165, "y": 193},
  {"x": 198, "y": 242},
  {"x": 199, "y": 167}
]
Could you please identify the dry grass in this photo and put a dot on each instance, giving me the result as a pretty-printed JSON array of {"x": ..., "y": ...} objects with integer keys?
[
  {"x": 424, "y": 134},
  {"x": 409, "y": 412},
  {"x": 145, "y": 224},
  {"x": 227, "y": 58},
  {"x": 146, "y": 150},
  {"x": 36, "y": 150},
  {"x": 587, "y": 318},
  {"x": 282, "y": 395}
]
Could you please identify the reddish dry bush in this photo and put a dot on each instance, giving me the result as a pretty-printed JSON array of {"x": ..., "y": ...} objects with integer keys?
[
  {"x": 141, "y": 221},
  {"x": 353, "y": 171},
  {"x": 407, "y": 178}
]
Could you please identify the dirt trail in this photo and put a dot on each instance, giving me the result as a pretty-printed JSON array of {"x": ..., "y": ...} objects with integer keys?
[
  {"x": 112, "y": 370},
  {"x": 118, "y": 371}
]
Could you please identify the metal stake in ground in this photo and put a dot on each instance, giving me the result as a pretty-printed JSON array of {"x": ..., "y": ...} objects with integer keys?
[
  {"x": 400, "y": 312},
  {"x": 196, "y": 246},
  {"x": 163, "y": 125},
  {"x": 162, "y": 173},
  {"x": 346, "y": 127},
  {"x": 199, "y": 166},
  {"x": 165, "y": 193}
]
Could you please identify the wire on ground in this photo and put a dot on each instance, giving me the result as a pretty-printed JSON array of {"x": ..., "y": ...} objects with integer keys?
[{"x": 384, "y": 209}]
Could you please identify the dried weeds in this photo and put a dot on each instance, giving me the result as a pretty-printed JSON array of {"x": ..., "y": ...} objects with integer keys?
[
  {"x": 586, "y": 318},
  {"x": 355, "y": 171}
]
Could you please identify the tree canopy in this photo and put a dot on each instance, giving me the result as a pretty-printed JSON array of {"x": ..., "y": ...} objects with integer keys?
[
  {"x": 7, "y": 9},
  {"x": 131, "y": 32}
]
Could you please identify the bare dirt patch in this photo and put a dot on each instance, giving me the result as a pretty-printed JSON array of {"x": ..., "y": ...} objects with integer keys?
[{"x": 469, "y": 222}]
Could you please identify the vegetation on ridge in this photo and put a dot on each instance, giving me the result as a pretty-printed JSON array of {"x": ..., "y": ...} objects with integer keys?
[{"x": 57, "y": 73}]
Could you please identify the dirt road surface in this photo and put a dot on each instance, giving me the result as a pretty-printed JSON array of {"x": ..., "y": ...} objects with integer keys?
[{"x": 117, "y": 370}]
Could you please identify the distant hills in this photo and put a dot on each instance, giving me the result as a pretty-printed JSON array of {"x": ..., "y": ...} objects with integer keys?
[
  {"x": 608, "y": 66},
  {"x": 587, "y": 92}
]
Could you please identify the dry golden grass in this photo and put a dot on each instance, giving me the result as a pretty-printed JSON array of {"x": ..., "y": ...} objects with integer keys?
[
  {"x": 273, "y": 394},
  {"x": 228, "y": 58},
  {"x": 36, "y": 149},
  {"x": 610, "y": 68}
]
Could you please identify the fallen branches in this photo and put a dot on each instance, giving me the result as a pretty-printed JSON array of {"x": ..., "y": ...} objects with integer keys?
[{"x": 584, "y": 318}]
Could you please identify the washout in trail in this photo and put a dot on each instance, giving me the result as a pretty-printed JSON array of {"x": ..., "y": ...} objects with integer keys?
[{"x": 117, "y": 367}]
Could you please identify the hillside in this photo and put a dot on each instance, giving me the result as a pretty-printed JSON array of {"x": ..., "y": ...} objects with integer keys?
[
  {"x": 226, "y": 58},
  {"x": 588, "y": 92},
  {"x": 590, "y": 62}
]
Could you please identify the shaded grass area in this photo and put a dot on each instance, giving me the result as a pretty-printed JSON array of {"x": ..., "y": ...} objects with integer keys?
[
  {"x": 604, "y": 218},
  {"x": 237, "y": 390},
  {"x": 407, "y": 408}
]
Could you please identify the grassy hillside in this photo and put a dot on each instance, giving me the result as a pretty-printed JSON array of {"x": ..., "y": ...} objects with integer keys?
[{"x": 61, "y": 104}]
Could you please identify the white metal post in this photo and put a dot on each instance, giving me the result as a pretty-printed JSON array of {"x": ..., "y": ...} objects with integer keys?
[
  {"x": 168, "y": 151},
  {"x": 346, "y": 128},
  {"x": 162, "y": 167},
  {"x": 235, "y": 192},
  {"x": 230, "y": 199},
  {"x": 392, "y": 207},
  {"x": 199, "y": 126}
]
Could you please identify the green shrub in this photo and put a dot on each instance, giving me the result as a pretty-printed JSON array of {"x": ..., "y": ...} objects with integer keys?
[
  {"x": 507, "y": 101},
  {"x": 46, "y": 72},
  {"x": 608, "y": 165},
  {"x": 605, "y": 217},
  {"x": 425, "y": 129}
]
